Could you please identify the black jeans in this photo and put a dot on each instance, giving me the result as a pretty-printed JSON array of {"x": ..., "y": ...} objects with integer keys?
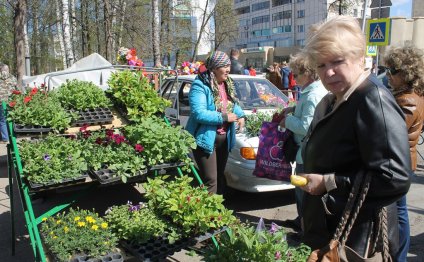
[{"x": 212, "y": 167}]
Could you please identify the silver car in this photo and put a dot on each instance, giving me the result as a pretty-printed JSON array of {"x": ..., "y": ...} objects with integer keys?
[{"x": 253, "y": 94}]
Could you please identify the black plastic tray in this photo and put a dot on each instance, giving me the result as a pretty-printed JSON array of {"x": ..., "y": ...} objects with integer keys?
[
  {"x": 156, "y": 249},
  {"x": 35, "y": 187},
  {"x": 26, "y": 129},
  {"x": 111, "y": 257},
  {"x": 105, "y": 176},
  {"x": 95, "y": 116},
  {"x": 161, "y": 168}
]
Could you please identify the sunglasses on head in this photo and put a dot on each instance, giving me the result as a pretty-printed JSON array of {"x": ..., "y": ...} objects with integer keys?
[{"x": 392, "y": 71}]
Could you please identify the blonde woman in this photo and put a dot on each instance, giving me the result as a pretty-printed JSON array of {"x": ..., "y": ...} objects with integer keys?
[{"x": 357, "y": 129}]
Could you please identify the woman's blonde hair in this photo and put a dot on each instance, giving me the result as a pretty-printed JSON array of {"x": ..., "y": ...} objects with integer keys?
[
  {"x": 409, "y": 61},
  {"x": 298, "y": 66},
  {"x": 339, "y": 36}
]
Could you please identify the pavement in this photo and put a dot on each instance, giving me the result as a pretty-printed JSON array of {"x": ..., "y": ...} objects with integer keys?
[{"x": 272, "y": 206}]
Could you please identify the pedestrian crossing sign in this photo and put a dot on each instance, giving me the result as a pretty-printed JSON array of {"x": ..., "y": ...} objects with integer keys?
[
  {"x": 371, "y": 50},
  {"x": 378, "y": 32}
]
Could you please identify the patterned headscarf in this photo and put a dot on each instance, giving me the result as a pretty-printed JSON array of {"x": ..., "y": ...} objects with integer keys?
[{"x": 217, "y": 59}]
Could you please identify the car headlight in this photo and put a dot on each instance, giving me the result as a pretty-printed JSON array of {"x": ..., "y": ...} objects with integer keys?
[{"x": 248, "y": 153}]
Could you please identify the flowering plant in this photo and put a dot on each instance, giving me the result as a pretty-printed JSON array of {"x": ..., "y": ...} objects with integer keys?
[
  {"x": 129, "y": 56},
  {"x": 52, "y": 160},
  {"x": 138, "y": 223},
  {"x": 39, "y": 108},
  {"x": 77, "y": 232},
  {"x": 188, "y": 68},
  {"x": 254, "y": 122},
  {"x": 162, "y": 143},
  {"x": 193, "y": 209},
  {"x": 111, "y": 150},
  {"x": 80, "y": 95},
  {"x": 244, "y": 243}
]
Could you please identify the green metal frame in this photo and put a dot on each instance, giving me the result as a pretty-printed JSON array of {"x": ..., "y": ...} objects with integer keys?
[{"x": 15, "y": 165}]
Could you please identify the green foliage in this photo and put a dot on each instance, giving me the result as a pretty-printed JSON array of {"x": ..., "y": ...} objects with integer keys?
[
  {"x": 254, "y": 122},
  {"x": 80, "y": 95},
  {"x": 52, "y": 159},
  {"x": 162, "y": 143},
  {"x": 133, "y": 90},
  {"x": 193, "y": 209},
  {"x": 39, "y": 108},
  {"x": 244, "y": 244},
  {"x": 106, "y": 149},
  {"x": 138, "y": 223},
  {"x": 77, "y": 232}
]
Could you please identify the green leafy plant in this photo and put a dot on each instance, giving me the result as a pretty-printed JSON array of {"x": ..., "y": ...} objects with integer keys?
[
  {"x": 254, "y": 122},
  {"x": 52, "y": 159},
  {"x": 133, "y": 90},
  {"x": 191, "y": 208},
  {"x": 77, "y": 232},
  {"x": 80, "y": 95},
  {"x": 162, "y": 143},
  {"x": 107, "y": 149},
  {"x": 39, "y": 108},
  {"x": 139, "y": 223},
  {"x": 243, "y": 243}
]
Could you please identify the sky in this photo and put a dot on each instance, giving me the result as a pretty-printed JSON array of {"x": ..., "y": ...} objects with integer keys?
[{"x": 401, "y": 8}]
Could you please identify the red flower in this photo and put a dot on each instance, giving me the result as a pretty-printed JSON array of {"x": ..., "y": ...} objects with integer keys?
[
  {"x": 99, "y": 141},
  {"x": 188, "y": 199},
  {"x": 43, "y": 85},
  {"x": 118, "y": 139},
  {"x": 27, "y": 99},
  {"x": 109, "y": 132},
  {"x": 132, "y": 52},
  {"x": 202, "y": 69},
  {"x": 34, "y": 91},
  {"x": 16, "y": 92},
  {"x": 139, "y": 148},
  {"x": 84, "y": 128},
  {"x": 254, "y": 110},
  {"x": 12, "y": 104}
]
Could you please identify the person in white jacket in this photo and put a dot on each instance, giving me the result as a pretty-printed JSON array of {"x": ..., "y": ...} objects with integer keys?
[{"x": 298, "y": 118}]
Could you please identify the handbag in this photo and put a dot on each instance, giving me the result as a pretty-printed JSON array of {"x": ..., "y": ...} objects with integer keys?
[
  {"x": 270, "y": 161},
  {"x": 290, "y": 147},
  {"x": 337, "y": 250}
]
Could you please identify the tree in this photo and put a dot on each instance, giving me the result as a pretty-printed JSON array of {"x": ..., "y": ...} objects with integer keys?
[
  {"x": 155, "y": 33},
  {"x": 19, "y": 34},
  {"x": 207, "y": 13},
  {"x": 67, "y": 33},
  {"x": 59, "y": 36},
  {"x": 226, "y": 24}
]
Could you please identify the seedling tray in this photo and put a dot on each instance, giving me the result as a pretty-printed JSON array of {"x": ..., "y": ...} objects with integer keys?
[
  {"x": 156, "y": 249},
  {"x": 35, "y": 187},
  {"x": 111, "y": 257},
  {"x": 95, "y": 116},
  {"x": 28, "y": 129},
  {"x": 161, "y": 168},
  {"x": 106, "y": 176}
]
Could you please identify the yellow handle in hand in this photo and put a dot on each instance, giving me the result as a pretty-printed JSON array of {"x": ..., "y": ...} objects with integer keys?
[{"x": 298, "y": 180}]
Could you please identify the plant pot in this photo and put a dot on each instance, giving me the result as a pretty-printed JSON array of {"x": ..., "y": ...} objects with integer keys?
[{"x": 30, "y": 129}]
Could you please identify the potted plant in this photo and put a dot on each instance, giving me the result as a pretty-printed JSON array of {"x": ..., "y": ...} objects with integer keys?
[
  {"x": 162, "y": 143},
  {"x": 38, "y": 108},
  {"x": 77, "y": 232},
  {"x": 244, "y": 243},
  {"x": 81, "y": 95},
  {"x": 111, "y": 151},
  {"x": 52, "y": 160},
  {"x": 191, "y": 208},
  {"x": 254, "y": 122},
  {"x": 133, "y": 91},
  {"x": 139, "y": 223}
]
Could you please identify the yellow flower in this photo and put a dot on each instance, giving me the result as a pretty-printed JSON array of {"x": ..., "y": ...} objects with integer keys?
[
  {"x": 54, "y": 237},
  {"x": 58, "y": 222},
  {"x": 106, "y": 242},
  {"x": 94, "y": 227},
  {"x": 44, "y": 219},
  {"x": 52, "y": 233},
  {"x": 81, "y": 224},
  {"x": 66, "y": 229},
  {"x": 104, "y": 225},
  {"x": 76, "y": 218},
  {"x": 90, "y": 219}
]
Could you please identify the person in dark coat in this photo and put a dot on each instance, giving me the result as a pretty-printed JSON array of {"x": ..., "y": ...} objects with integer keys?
[
  {"x": 357, "y": 128},
  {"x": 236, "y": 67}
]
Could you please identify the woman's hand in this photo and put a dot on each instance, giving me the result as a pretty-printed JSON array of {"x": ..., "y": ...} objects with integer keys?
[
  {"x": 316, "y": 185},
  {"x": 231, "y": 117},
  {"x": 241, "y": 123}
]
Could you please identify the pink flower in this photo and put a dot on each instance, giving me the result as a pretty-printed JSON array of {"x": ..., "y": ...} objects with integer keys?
[
  {"x": 139, "y": 148},
  {"x": 254, "y": 110},
  {"x": 84, "y": 128},
  {"x": 277, "y": 255},
  {"x": 12, "y": 103},
  {"x": 118, "y": 139},
  {"x": 27, "y": 99},
  {"x": 99, "y": 141},
  {"x": 109, "y": 132},
  {"x": 16, "y": 92}
]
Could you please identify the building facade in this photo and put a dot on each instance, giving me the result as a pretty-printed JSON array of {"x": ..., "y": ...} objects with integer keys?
[{"x": 417, "y": 8}]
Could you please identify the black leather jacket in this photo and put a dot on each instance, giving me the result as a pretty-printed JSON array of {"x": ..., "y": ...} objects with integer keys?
[
  {"x": 236, "y": 67},
  {"x": 366, "y": 133}
]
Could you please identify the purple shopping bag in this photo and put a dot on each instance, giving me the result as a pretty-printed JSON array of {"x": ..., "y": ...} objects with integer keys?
[{"x": 270, "y": 161}]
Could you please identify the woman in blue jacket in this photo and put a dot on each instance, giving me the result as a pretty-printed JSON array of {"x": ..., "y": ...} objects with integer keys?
[{"x": 214, "y": 110}]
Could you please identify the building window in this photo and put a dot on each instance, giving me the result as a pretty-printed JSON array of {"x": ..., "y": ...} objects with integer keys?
[
  {"x": 266, "y": 32},
  {"x": 300, "y": 1},
  {"x": 243, "y": 10},
  {"x": 287, "y": 28},
  {"x": 282, "y": 15},
  {"x": 238, "y": 1},
  {"x": 260, "y": 19},
  {"x": 355, "y": 12},
  {"x": 300, "y": 28},
  {"x": 260, "y": 6},
  {"x": 300, "y": 13},
  {"x": 300, "y": 42},
  {"x": 280, "y": 2},
  {"x": 257, "y": 33}
]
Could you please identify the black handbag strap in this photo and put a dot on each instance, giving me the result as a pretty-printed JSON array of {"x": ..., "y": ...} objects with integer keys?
[{"x": 354, "y": 203}]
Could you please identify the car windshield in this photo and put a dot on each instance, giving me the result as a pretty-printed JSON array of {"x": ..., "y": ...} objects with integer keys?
[{"x": 259, "y": 93}]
